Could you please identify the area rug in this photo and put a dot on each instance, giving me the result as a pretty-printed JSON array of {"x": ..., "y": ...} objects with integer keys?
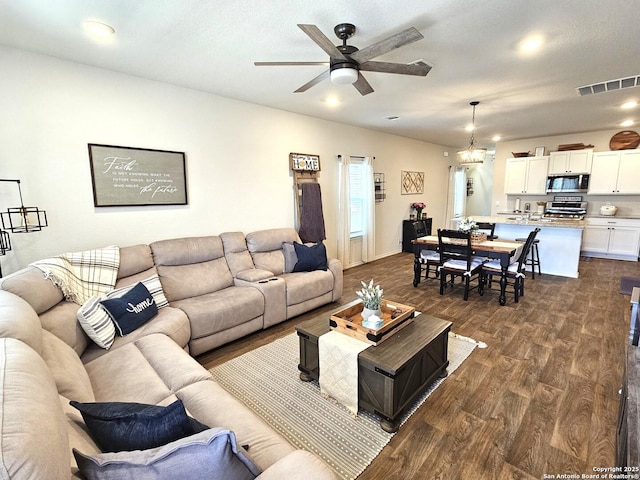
[
  {"x": 267, "y": 381},
  {"x": 627, "y": 284}
]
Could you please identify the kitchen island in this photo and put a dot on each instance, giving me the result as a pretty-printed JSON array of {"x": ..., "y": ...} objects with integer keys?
[{"x": 559, "y": 245}]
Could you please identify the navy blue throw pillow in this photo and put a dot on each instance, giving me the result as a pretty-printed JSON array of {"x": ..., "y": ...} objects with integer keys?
[
  {"x": 126, "y": 426},
  {"x": 310, "y": 258},
  {"x": 131, "y": 310}
]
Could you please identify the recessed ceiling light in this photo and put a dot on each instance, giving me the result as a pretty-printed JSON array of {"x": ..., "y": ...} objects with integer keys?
[
  {"x": 469, "y": 128},
  {"x": 332, "y": 101},
  {"x": 628, "y": 105},
  {"x": 496, "y": 138},
  {"x": 98, "y": 29},
  {"x": 531, "y": 44},
  {"x": 626, "y": 123}
]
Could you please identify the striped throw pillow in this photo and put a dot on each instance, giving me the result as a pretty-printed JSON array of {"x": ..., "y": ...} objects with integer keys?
[
  {"x": 97, "y": 323},
  {"x": 153, "y": 285}
]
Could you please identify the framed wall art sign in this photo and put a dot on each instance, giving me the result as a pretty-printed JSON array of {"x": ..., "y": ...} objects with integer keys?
[
  {"x": 127, "y": 176},
  {"x": 411, "y": 183}
]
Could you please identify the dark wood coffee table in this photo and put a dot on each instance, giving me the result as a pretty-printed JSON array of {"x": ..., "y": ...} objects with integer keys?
[{"x": 392, "y": 375}]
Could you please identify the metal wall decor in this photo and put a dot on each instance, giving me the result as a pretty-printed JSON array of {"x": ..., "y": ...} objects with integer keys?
[
  {"x": 412, "y": 183},
  {"x": 127, "y": 176}
]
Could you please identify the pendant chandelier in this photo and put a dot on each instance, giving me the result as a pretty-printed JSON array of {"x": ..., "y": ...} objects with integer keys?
[
  {"x": 23, "y": 219},
  {"x": 472, "y": 154}
]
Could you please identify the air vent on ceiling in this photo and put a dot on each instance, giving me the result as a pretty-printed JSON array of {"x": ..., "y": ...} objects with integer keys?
[{"x": 609, "y": 85}]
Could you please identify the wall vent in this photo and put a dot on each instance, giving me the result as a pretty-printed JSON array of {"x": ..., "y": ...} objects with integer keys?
[{"x": 609, "y": 85}]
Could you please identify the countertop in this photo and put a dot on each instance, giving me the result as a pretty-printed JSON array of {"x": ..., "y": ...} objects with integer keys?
[
  {"x": 627, "y": 217},
  {"x": 512, "y": 219}
]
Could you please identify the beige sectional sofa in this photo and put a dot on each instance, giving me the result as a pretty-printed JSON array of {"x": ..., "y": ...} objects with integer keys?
[{"x": 219, "y": 288}]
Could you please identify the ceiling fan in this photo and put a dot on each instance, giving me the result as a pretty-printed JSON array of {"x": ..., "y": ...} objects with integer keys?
[{"x": 346, "y": 61}]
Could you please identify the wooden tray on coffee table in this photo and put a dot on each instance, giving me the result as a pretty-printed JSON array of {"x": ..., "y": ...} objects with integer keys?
[{"x": 348, "y": 320}]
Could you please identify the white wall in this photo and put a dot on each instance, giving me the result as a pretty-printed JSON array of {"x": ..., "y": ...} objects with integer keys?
[
  {"x": 237, "y": 159},
  {"x": 627, "y": 204}
]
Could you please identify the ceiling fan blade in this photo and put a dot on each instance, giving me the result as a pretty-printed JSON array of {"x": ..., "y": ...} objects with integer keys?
[
  {"x": 289, "y": 64},
  {"x": 419, "y": 68},
  {"x": 395, "y": 41},
  {"x": 313, "y": 82},
  {"x": 321, "y": 39},
  {"x": 362, "y": 85}
]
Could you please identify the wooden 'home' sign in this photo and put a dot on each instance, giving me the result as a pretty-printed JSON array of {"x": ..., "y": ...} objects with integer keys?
[{"x": 302, "y": 162}]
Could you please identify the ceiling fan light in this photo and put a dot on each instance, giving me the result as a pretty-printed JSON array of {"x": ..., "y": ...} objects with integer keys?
[{"x": 344, "y": 76}]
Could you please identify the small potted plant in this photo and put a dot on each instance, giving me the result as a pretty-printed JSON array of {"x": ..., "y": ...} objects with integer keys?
[
  {"x": 372, "y": 298},
  {"x": 467, "y": 225}
]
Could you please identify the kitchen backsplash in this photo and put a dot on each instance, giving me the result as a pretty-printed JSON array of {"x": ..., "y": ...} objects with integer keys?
[{"x": 628, "y": 205}]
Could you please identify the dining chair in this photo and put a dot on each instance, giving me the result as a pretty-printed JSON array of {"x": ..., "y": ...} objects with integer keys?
[
  {"x": 489, "y": 228},
  {"x": 515, "y": 271},
  {"x": 429, "y": 259},
  {"x": 457, "y": 260}
]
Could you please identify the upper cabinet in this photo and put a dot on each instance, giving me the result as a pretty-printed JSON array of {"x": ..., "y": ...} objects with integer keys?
[
  {"x": 570, "y": 161},
  {"x": 526, "y": 175},
  {"x": 616, "y": 172}
]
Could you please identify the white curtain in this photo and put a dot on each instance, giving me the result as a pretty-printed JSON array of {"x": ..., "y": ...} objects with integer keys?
[
  {"x": 368, "y": 212},
  {"x": 344, "y": 211},
  {"x": 456, "y": 198}
]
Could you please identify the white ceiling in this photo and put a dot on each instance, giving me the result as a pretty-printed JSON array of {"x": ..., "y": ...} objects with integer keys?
[{"x": 472, "y": 45}]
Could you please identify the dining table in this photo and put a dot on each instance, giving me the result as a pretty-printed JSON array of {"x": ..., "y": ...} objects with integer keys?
[{"x": 503, "y": 250}]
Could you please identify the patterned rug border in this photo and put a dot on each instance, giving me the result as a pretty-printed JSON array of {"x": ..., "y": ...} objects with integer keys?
[{"x": 298, "y": 411}]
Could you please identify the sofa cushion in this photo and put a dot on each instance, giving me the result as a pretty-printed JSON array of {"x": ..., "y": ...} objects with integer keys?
[
  {"x": 211, "y": 454},
  {"x": 303, "y": 286},
  {"x": 221, "y": 310},
  {"x": 236, "y": 253},
  {"x": 120, "y": 426},
  {"x": 134, "y": 260},
  {"x": 33, "y": 430},
  {"x": 265, "y": 247},
  {"x": 290, "y": 257},
  {"x": 152, "y": 283},
  {"x": 310, "y": 257},
  {"x": 132, "y": 310},
  {"x": 148, "y": 370},
  {"x": 97, "y": 323},
  {"x": 19, "y": 320},
  {"x": 171, "y": 322},
  {"x": 30, "y": 284},
  {"x": 189, "y": 267},
  {"x": 62, "y": 321},
  {"x": 68, "y": 371},
  {"x": 271, "y": 239}
]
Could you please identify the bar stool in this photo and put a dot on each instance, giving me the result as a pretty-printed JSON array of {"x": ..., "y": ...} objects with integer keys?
[{"x": 534, "y": 256}]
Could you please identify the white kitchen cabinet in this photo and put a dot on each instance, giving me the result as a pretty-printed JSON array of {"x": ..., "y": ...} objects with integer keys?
[
  {"x": 526, "y": 175},
  {"x": 570, "y": 161},
  {"x": 616, "y": 172},
  {"x": 611, "y": 238}
]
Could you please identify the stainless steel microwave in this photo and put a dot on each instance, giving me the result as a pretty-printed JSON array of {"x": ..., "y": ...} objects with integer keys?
[{"x": 568, "y": 183}]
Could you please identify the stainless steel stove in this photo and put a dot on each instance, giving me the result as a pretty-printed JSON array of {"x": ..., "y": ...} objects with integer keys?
[{"x": 566, "y": 208}]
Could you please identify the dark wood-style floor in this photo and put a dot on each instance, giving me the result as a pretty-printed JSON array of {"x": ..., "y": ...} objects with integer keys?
[{"x": 541, "y": 399}]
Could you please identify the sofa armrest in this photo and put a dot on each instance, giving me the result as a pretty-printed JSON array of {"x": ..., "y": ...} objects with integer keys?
[
  {"x": 335, "y": 266},
  {"x": 298, "y": 465},
  {"x": 274, "y": 290},
  {"x": 254, "y": 275}
]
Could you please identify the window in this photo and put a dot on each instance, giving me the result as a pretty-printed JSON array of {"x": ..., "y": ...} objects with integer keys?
[{"x": 356, "y": 198}]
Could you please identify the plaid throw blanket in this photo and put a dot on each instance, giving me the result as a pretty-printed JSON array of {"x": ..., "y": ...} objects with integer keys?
[{"x": 81, "y": 275}]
